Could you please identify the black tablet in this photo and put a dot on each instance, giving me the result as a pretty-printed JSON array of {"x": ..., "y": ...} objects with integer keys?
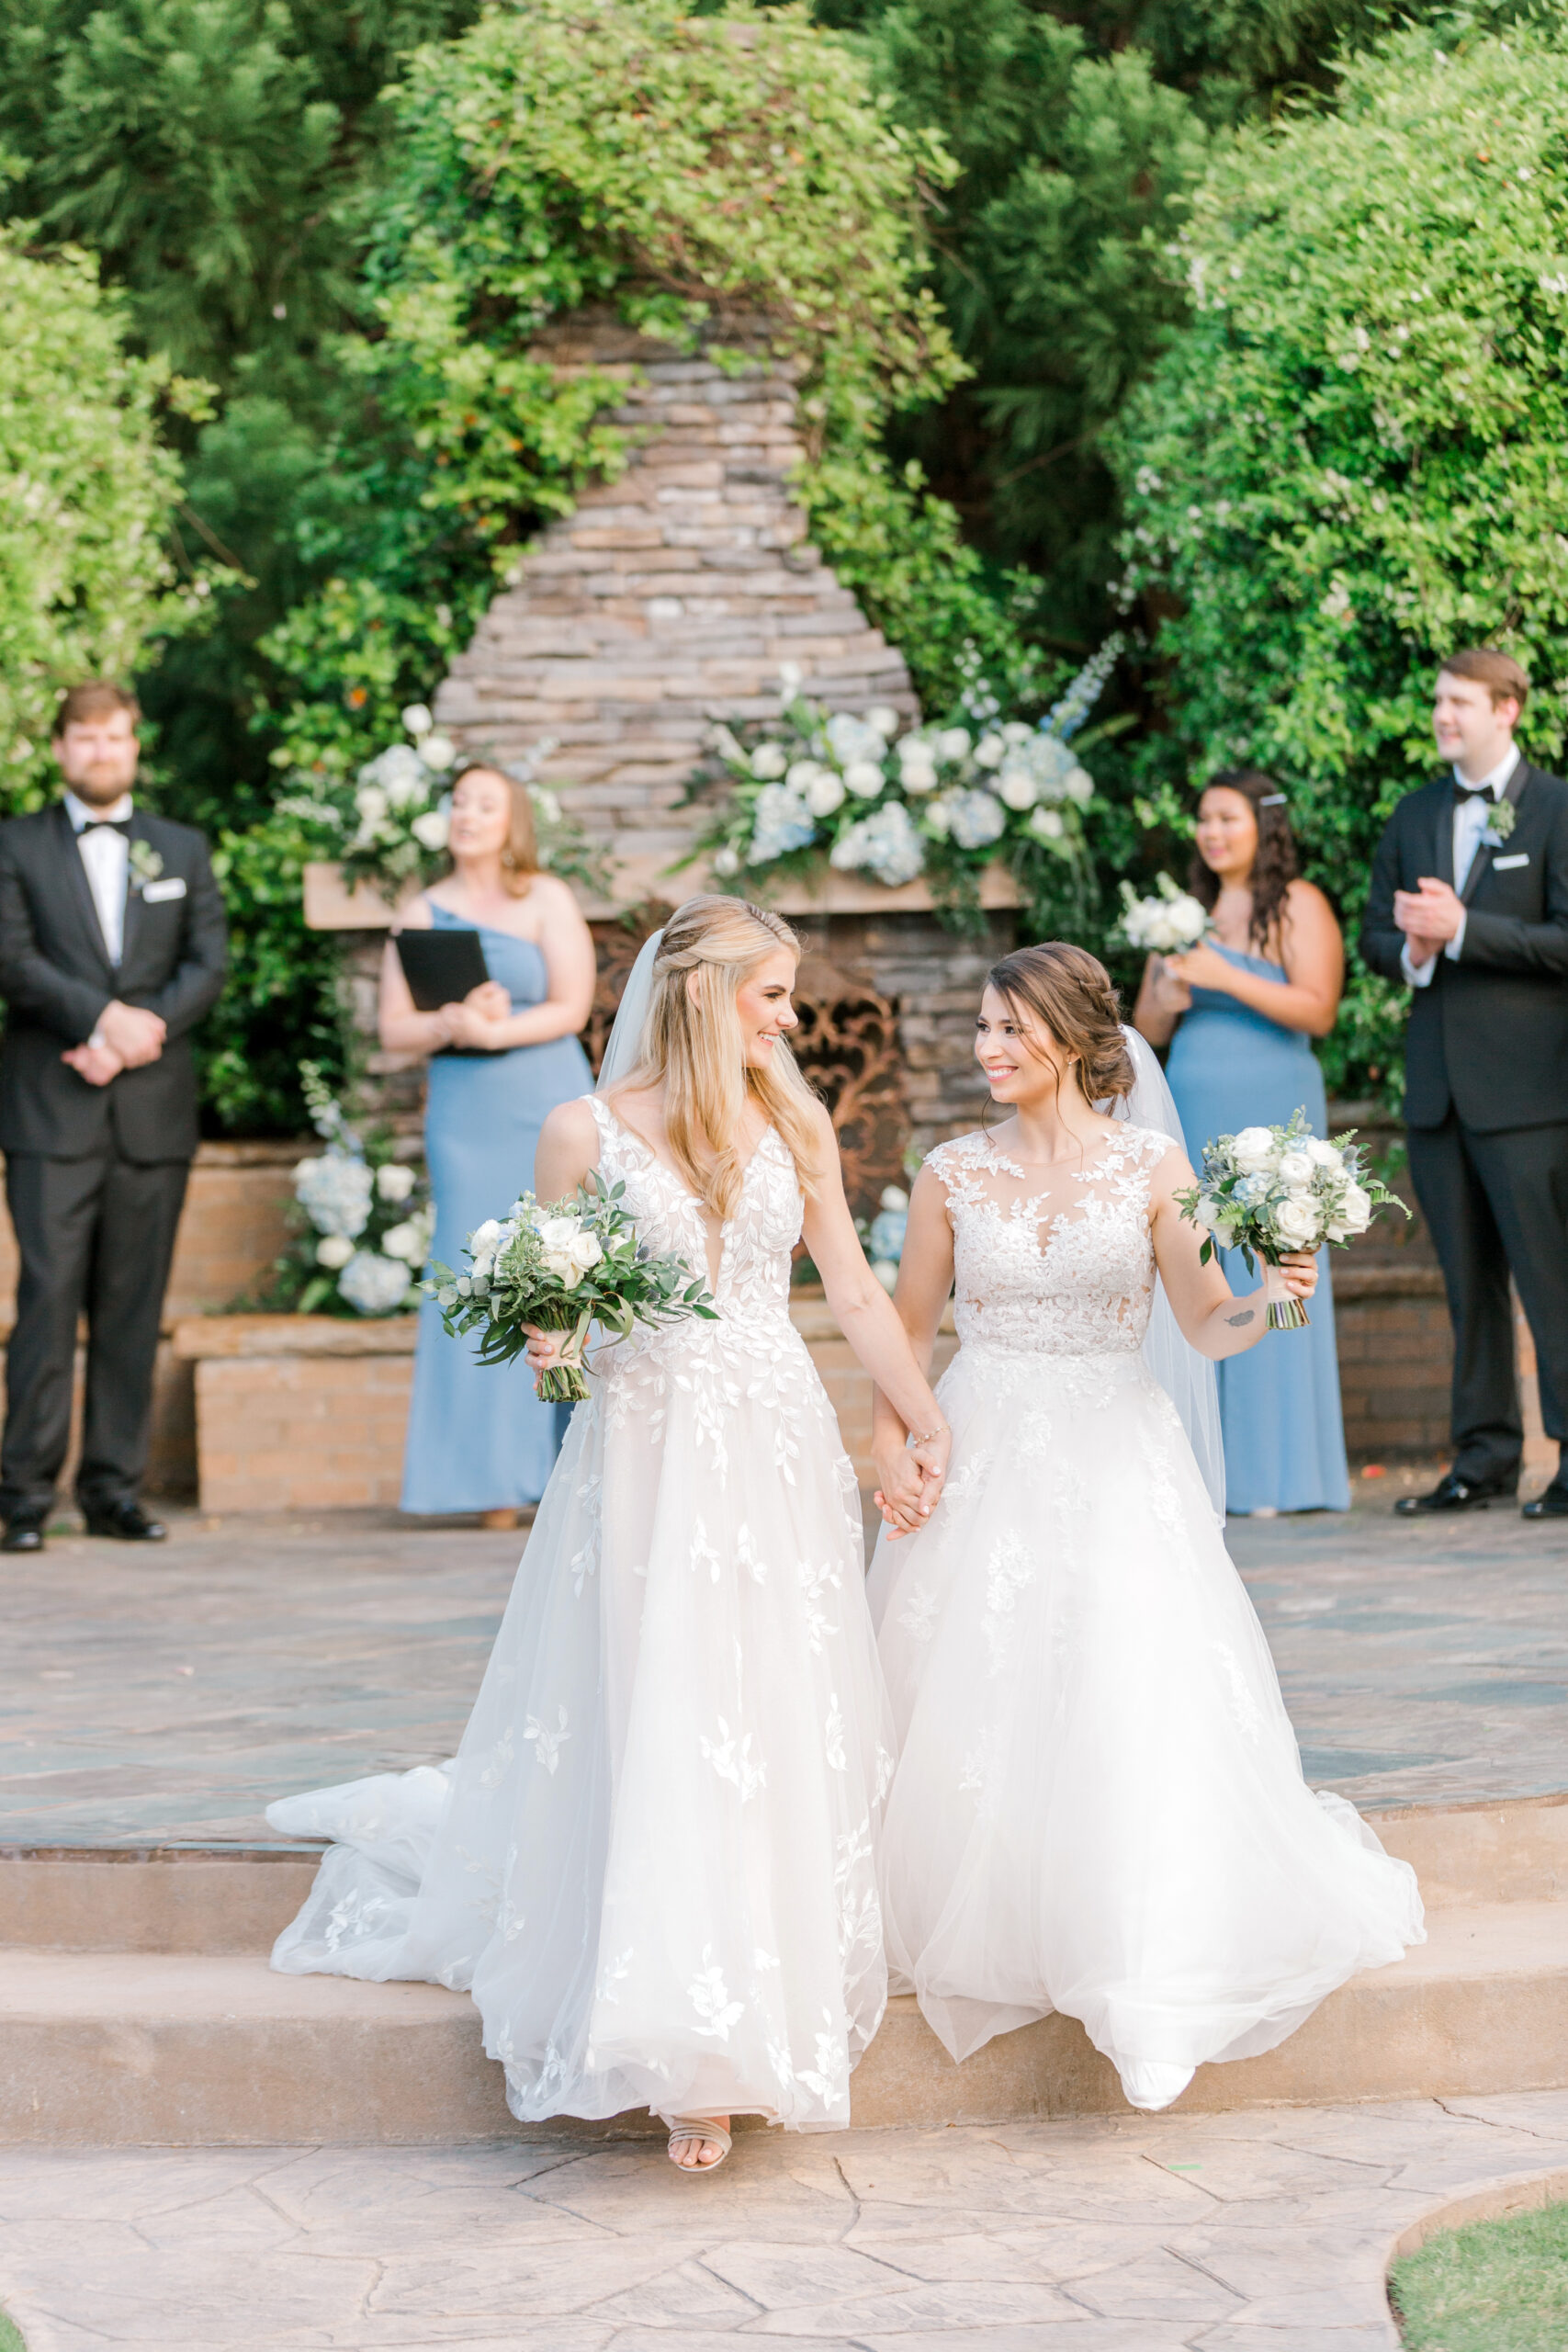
[{"x": 440, "y": 967}]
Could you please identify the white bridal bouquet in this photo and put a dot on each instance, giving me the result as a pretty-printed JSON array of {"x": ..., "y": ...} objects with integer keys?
[
  {"x": 1166, "y": 922},
  {"x": 1270, "y": 1191},
  {"x": 562, "y": 1266}
]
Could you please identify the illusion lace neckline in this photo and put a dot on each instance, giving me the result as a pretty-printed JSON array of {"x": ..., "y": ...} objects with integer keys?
[{"x": 656, "y": 1160}]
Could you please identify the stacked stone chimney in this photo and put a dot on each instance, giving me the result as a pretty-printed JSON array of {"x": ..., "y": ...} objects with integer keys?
[{"x": 667, "y": 601}]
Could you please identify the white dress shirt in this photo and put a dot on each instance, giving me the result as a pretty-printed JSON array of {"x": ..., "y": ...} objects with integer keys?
[
  {"x": 1471, "y": 819},
  {"x": 107, "y": 858}
]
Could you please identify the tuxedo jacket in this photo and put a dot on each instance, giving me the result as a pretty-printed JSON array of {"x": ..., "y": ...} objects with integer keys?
[
  {"x": 1489, "y": 1034},
  {"x": 56, "y": 978}
]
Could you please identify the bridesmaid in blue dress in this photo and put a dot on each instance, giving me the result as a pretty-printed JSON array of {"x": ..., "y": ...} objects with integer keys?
[
  {"x": 1239, "y": 1013},
  {"x": 478, "y": 1438}
]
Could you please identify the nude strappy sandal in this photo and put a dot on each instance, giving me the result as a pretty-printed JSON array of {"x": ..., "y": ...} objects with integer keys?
[{"x": 699, "y": 2126}]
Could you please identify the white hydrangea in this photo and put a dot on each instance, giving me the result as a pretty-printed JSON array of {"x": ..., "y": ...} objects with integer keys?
[
  {"x": 917, "y": 764},
  {"x": 334, "y": 1190},
  {"x": 864, "y": 779},
  {"x": 780, "y": 820},
  {"x": 850, "y": 739},
  {"x": 975, "y": 820},
  {"x": 885, "y": 718},
  {"x": 886, "y": 844},
  {"x": 372, "y": 1283},
  {"x": 400, "y": 774},
  {"x": 952, "y": 743}
]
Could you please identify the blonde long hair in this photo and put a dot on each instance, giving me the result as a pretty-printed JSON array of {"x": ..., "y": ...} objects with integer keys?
[{"x": 691, "y": 1043}]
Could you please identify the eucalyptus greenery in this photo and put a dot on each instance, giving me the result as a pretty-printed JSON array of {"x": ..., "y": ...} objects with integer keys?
[{"x": 1355, "y": 457}]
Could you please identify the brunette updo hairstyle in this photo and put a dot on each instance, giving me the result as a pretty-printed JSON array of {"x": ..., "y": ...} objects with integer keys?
[
  {"x": 1274, "y": 867},
  {"x": 1070, "y": 992}
]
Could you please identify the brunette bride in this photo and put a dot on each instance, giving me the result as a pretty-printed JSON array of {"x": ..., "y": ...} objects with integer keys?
[
  {"x": 651, "y": 1859},
  {"x": 1099, "y": 1805}
]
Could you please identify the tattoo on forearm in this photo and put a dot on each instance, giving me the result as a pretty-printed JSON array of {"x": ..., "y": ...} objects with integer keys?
[{"x": 1235, "y": 1321}]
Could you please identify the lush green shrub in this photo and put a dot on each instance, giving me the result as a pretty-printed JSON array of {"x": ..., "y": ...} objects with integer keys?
[
  {"x": 706, "y": 170},
  {"x": 86, "y": 493},
  {"x": 1355, "y": 457}
]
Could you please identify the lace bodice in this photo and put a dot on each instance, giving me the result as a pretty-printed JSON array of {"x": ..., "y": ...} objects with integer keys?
[
  {"x": 757, "y": 1241},
  {"x": 1084, "y": 1284}
]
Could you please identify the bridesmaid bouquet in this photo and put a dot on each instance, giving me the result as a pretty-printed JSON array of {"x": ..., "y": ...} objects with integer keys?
[
  {"x": 562, "y": 1266},
  {"x": 1270, "y": 1191},
  {"x": 1168, "y": 921}
]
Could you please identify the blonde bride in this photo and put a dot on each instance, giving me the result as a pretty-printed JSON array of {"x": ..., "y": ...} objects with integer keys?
[{"x": 651, "y": 1861}]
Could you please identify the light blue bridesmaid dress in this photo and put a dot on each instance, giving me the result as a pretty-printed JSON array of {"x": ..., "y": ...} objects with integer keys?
[
  {"x": 478, "y": 1438},
  {"x": 1231, "y": 1068}
]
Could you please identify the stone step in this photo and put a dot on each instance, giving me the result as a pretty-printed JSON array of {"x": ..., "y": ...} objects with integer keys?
[
  {"x": 186, "y": 2049},
  {"x": 235, "y": 1899}
]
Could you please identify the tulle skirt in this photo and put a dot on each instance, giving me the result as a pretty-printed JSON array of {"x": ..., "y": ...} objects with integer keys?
[
  {"x": 1099, "y": 1805},
  {"x": 652, "y": 1858}
]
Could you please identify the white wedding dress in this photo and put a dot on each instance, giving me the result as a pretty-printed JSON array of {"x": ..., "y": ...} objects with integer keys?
[
  {"x": 1098, "y": 1804},
  {"x": 651, "y": 1859}
]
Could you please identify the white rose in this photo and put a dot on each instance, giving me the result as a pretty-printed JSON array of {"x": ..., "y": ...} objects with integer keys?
[
  {"x": 407, "y": 1241},
  {"x": 1206, "y": 1214},
  {"x": 768, "y": 762},
  {"x": 438, "y": 751},
  {"x": 1355, "y": 1209},
  {"x": 1046, "y": 824},
  {"x": 1078, "y": 785},
  {"x": 485, "y": 1237},
  {"x": 918, "y": 776},
  {"x": 1295, "y": 1169},
  {"x": 417, "y": 719},
  {"x": 887, "y": 1272},
  {"x": 585, "y": 1250},
  {"x": 333, "y": 1249},
  {"x": 802, "y": 774},
  {"x": 1018, "y": 787},
  {"x": 1017, "y": 731},
  {"x": 371, "y": 802},
  {"x": 864, "y": 779},
  {"x": 1252, "y": 1150},
  {"x": 395, "y": 1184},
  {"x": 885, "y": 718},
  {"x": 430, "y": 828},
  {"x": 894, "y": 1196},
  {"x": 990, "y": 751},
  {"x": 954, "y": 742},
  {"x": 826, "y": 792},
  {"x": 1322, "y": 1155},
  {"x": 566, "y": 1270},
  {"x": 1296, "y": 1223}
]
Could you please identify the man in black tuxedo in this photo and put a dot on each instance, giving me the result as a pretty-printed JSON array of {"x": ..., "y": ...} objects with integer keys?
[
  {"x": 1469, "y": 903},
  {"x": 111, "y": 948}
]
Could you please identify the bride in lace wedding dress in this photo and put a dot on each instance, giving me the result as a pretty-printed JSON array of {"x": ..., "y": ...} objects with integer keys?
[
  {"x": 1099, "y": 1805},
  {"x": 651, "y": 1859}
]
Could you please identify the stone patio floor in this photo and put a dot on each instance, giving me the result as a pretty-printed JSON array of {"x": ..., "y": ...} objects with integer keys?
[
  {"x": 166, "y": 1696},
  {"x": 1256, "y": 2233}
]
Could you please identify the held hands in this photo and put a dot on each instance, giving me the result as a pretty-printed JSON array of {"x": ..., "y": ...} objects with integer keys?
[
  {"x": 1430, "y": 917},
  {"x": 477, "y": 1021},
  {"x": 127, "y": 1038},
  {"x": 911, "y": 1478}
]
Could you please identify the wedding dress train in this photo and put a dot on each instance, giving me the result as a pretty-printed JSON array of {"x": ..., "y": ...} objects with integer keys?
[
  {"x": 1098, "y": 1804},
  {"x": 651, "y": 1859}
]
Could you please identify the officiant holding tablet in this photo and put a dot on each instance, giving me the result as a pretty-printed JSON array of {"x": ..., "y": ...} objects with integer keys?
[{"x": 502, "y": 1055}]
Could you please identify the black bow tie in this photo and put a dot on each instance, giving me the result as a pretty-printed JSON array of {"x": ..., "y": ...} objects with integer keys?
[
  {"x": 105, "y": 825},
  {"x": 1467, "y": 792}
]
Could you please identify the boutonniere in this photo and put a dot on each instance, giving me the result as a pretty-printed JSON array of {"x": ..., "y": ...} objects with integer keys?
[
  {"x": 145, "y": 865},
  {"x": 1499, "y": 825}
]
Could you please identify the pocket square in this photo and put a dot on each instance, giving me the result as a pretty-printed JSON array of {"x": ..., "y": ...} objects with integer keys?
[
  {"x": 172, "y": 886},
  {"x": 1501, "y": 865}
]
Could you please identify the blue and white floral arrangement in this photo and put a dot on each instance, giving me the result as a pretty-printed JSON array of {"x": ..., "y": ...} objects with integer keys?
[{"x": 895, "y": 799}]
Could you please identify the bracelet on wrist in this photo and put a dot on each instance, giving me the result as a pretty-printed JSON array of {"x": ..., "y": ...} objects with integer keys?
[{"x": 925, "y": 1437}]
